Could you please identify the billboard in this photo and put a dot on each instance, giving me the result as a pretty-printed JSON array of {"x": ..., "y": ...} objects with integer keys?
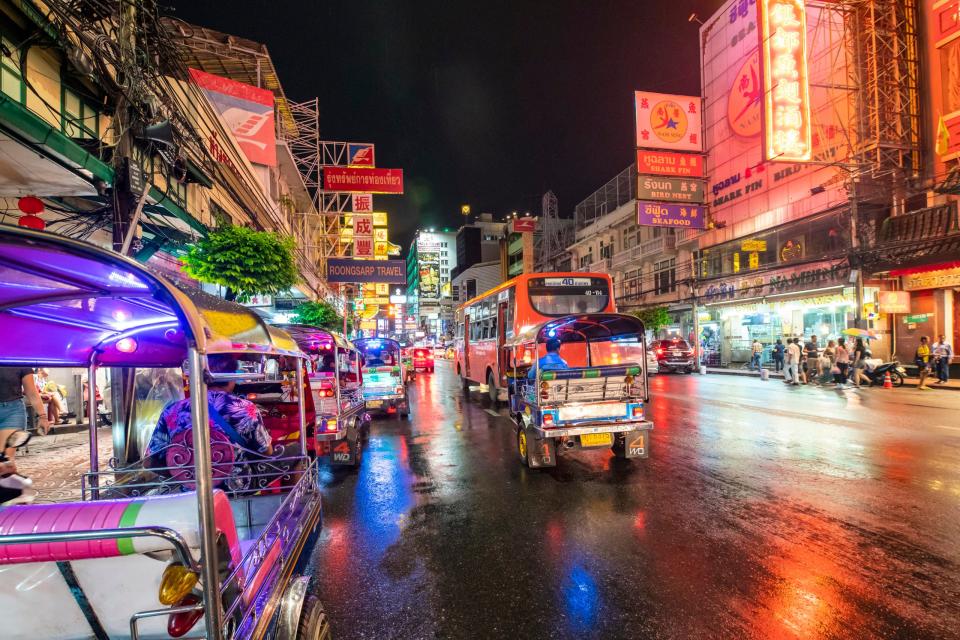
[
  {"x": 247, "y": 111},
  {"x": 665, "y": 163},
  {"x": 667, "y": 121},
  {"x": 359, "y": 180},
  {"x": 786, "y": 89},
  {"x": 743, "y": 188},
  {"x": 362, "y": 202},
  {"x": 524, "y": 225},
  {"x": 669, "y": 189},
  {"x": 659, "y": 214},
  {"x": 351, "y": 270},
  {"x": 360, "y": 154},
  {"x": 429, "y": 268}
]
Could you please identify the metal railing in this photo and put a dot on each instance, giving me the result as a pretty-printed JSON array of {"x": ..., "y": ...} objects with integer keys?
[
  {"x": 923, "y": 224},
  {"x": 616, "y": 193}
]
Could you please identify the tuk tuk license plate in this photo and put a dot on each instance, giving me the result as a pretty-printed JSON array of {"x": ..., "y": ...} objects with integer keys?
[
  {"x": 374, "y": 404},
  {"x": 596, "y": 440}
]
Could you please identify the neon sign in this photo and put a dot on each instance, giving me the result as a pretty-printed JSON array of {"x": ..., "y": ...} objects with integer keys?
[{"x": 786, "y": 88}]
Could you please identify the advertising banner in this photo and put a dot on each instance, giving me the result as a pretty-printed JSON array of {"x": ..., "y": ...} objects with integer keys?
[
  {"x": 360, "y": 154},
  {"x": 429, "y": 267},
  {"x": 786, "y": 85},
  {"x": 660, "y": 214},
  {"x": 352, "y": 270},
  {"x": 362, "y": 202},
  {"x": 667, "y": 189},
  {"x": 248, "y": 112},
  {"x": 666, "y": 121},
  {"x": 894, "y": 301},
  {"x": 363, "y": 247},
  {"x": 743, "y": 188},
  {"x": 359, "y": 180},
  {"x": 665, "y": 163},
  {"x": 524, "y": 225}
]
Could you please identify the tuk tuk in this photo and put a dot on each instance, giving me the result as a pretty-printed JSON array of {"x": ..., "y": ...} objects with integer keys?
[
  {"x": 588, "y": 393},
  {"x": 210, "y": 543},
  {"x": 384, "y": 389},
  {"x": 336, "y": 391}
]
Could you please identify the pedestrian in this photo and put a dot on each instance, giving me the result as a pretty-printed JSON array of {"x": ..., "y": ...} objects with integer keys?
[
  {"x": 777, "y": 353},
  {"x": 942, "y": 353},
  {"x": 17, "y": 383},
  {"x": 812, "y": 350},
  {"x": 827, "y": 360},
  {"x": 860, "y": 355},
  {"x": 757, "y": 350},
  {"x": 842, "y": 364},
  {"x": 922, "y": 359},
  {"x": 802, "y": 369},
  {"x": 791, "y": 374}
]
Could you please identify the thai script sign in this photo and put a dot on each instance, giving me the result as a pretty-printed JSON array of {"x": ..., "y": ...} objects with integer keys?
[
  {"x": 358, "y": 180},
  {"x": 779, "y": 282},
  {"x": 351, "y": 270},
  {"x": 786, "y": 89},
  {"x": 666, "y": 121},
  {"x": 670, "y": 189},
  {"x": 658, "y": 214},
  {"x": 665, "y": 163}
]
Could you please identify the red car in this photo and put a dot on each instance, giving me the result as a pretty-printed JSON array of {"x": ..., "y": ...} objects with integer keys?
[{"x": 423, "y": 359}]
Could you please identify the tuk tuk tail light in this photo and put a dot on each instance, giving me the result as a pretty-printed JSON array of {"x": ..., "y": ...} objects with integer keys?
[
  {"x": 176, "y": 583},
  {"x": 637, "y": 411},
  {"x": 399, "y": 390},
  {"x": 544, "y": 391},
  {"x": 548, "y": 419},
  {"x": 180, "y": 623},
  {"x": 329, "y": 424}
]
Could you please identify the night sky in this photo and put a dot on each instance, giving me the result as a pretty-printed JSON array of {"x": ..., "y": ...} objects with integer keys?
[{"x": 487, "y": 103}]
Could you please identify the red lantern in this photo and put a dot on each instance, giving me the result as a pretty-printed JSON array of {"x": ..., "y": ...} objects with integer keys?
[
  {"x": 30, "y": 205},
  {"x": 32, "y": 222}
]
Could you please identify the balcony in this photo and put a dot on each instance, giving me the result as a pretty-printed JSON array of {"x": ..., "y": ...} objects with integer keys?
[
  {"x": 603, "y": 265},
  {"x": 648, "y": 249}
]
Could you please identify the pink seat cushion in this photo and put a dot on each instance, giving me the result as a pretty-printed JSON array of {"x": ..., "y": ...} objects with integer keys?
[{"x": 179, "y": 456}]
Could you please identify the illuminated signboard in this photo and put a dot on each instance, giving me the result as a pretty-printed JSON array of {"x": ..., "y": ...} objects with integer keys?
[
  {"x": 786, "y": 88},
  {"x": 667, "y": 121},
  {"x": 359, "y": 180},
  {"x": 662, "y": 214},
  {"x": 362, "y": 202}
]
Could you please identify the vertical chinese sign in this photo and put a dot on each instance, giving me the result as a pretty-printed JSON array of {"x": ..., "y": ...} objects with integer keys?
[
  {"x": 363, "y": 235},
  {"x": 786, "y": 85}
]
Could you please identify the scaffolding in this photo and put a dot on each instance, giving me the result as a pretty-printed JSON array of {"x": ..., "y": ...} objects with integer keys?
[{"x": 556, "y": 235}]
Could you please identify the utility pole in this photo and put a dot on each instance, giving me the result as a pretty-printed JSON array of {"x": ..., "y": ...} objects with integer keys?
[
  {"x": 856, "y": 267},
  {"x": 123, "y": 198}
]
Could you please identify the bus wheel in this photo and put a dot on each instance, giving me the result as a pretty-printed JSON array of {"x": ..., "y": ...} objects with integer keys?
[{"x": 492, "y": 388}]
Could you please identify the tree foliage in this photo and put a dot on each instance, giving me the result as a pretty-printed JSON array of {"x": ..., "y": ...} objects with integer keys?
[
  {"x": 318, "y": 314},
  {"x": 653, "y": 318},
  {"x": 245, "y": 261}
]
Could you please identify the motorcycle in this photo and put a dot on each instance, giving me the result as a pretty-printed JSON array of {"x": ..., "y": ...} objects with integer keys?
[{"x": 897, "y": 373}]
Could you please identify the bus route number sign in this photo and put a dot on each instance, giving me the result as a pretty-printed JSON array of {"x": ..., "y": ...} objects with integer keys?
[{"x": 567, "y": 282}]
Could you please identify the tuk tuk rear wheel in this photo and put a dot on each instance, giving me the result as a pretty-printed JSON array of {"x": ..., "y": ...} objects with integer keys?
[
  {"x": 314, "y": 624},
  {"x": 523, "y": 446},
  {"x": 619, "y": 446}
]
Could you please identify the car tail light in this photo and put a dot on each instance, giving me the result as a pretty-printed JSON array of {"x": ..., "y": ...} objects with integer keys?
[
  {"x": 329, "y": 424},
  {"x": 399, "y": 390},
  {"x": 659, "y": 352}
]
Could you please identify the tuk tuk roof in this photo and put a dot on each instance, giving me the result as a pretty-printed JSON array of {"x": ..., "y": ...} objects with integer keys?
[
  {"x": 64, "y": 302},
  {"x": 306, "y": 336},
  {"x": 362, "y": 343},
  {"x": 580, "y": 328}
]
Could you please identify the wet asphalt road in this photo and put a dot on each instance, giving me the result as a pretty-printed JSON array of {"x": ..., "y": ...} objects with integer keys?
[{"x": 763, "y": 512}]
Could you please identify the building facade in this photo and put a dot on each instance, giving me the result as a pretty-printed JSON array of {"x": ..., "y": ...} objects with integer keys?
[{"x": 431, "y": 259}]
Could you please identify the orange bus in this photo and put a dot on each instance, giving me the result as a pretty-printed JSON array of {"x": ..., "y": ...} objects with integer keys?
[{"x": 487, "y": 321}]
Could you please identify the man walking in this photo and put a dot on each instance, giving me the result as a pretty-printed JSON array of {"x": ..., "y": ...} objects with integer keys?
[
  {"x": 791, "y": 374},
  {"x": 942, "y": 354},
  {"x": 757, "y": 351}
]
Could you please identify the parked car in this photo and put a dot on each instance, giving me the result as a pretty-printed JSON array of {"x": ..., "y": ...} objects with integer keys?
[{"x": 673, "y": 354}]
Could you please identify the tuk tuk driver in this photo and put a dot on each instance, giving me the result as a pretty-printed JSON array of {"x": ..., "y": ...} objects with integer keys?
[
  {"x": 239, "y": 414},
  {"x": 550, "y": 361}
]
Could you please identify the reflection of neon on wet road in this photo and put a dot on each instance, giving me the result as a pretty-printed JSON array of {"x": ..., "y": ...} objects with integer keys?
[
  {"x": 581, "y": 598},
  {"x": 383, "y": 496}
]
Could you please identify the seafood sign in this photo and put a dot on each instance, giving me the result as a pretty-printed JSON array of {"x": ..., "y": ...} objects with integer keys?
[{"x": 658, "y": 214}]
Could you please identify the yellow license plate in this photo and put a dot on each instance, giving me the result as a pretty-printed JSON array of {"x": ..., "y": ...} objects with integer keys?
[
  {"x": 374, "y": 404},
  {"x": 596, "y": 440}
]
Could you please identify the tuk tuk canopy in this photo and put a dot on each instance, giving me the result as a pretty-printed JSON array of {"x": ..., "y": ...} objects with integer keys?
[
  {"x": 65, "y": 303},
  {"x": 309, "y": 337},
  {"x": 592, "y": 327}
]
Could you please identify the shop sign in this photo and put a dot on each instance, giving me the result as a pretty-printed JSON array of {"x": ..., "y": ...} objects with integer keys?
[
  {"x": 780, "y": 282},
  {"x": 786, "y": 88},
  {"x": 744, "y": 102},
  {"x": 917, "y": 319},
  {"x": 894, "y": 301},
  {"x": 670, "y": 189},
  {"x": 932, "y": 280},
  {"x": 351, "y": 270},
  {"x": 658, "y": 214},
  {"x": 360, "y": 180},
  {"x": 753, "y": 245},
  {"x": 362, "y": 224},
  {"x": 665, "y": 163},
  {"x": 524, "y": 225},
  {"x": 380, "y": 218},
  {"x": 666, "y": 121},
  {"x": 791, "y": 250},
  {"x": 360, "y": 154},
  {"x": 362, "y": 202}
]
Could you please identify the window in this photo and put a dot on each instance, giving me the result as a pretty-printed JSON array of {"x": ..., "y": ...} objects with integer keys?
[
  {"x": 630, "y": 241},
  {"x": 665, "y": 276},
  {"x": 550, "y": 297},
  {"x": 606, "y": 251},
  {"x": 78, "y": 118},
  {"x": 11, "y": 83}
]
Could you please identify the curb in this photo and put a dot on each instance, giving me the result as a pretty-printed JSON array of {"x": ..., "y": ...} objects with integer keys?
[{"x": 909, "y": 382}]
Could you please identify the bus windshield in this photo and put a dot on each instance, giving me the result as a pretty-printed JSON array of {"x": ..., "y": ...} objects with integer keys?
[{"x": 563, "y": 296}]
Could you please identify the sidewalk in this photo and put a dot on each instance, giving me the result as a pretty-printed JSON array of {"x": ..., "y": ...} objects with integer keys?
[
  {"x": 953, "y": 385},
  {"x": 56, "y": 462}
]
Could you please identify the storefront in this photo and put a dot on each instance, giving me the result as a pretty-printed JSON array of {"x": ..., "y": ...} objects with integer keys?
[
  {"x": 934, "y": 294},
  {"x": 813, "y": 299}
]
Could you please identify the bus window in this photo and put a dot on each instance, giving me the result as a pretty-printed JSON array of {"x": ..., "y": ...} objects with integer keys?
[{"x": 563, "y": 296}]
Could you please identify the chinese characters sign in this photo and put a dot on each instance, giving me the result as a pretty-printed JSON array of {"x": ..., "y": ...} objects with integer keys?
[
  {"x": 362, "y": 225},
  {"x": 667, "y": 121},
  {"x": 786, "y": 89},
  {"x": 670, "y": 189},
  {"x": 362, "y": 202},
  {"x": 664, "y": 163},
  {"x": 657, "y": 214}
]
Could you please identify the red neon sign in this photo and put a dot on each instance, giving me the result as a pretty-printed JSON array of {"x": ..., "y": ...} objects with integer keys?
[{"x": 786, "y": 87}]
